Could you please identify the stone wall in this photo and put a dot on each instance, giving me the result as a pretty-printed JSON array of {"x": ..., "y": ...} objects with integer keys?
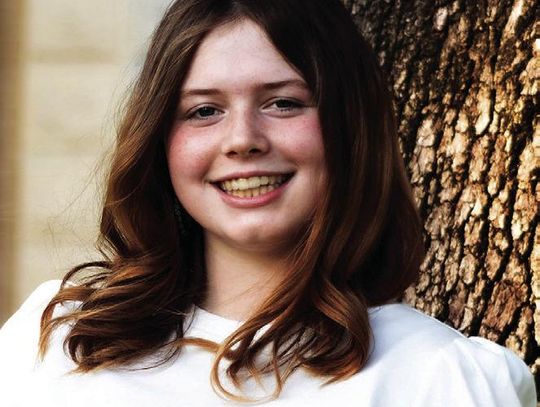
[{"x": 76, "y": 60}]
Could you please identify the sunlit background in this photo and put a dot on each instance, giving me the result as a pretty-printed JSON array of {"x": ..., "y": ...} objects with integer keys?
[{"x": 64, "y": 67}]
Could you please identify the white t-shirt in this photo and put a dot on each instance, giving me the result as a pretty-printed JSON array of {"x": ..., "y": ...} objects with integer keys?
[{"x": 416, "y": 361}]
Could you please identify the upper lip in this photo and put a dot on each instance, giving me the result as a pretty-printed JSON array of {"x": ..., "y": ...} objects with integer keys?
[{"x": 249, "y": 174}]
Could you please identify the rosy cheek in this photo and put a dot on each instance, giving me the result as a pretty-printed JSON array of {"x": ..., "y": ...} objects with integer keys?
[
  {"x": 305, "y": 139},
  {"x": 188, "y": 153}
]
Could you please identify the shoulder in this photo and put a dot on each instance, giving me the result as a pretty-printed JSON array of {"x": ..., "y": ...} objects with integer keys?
[
  {"x": 19, "y": 336},
  {"x": 21, "y": 372},
  {"x": 31, "y": 309},
  {"x": 444, "y": 364},
  {"x": 400, "y": 324},
  {"x": 39, "y": 298}
]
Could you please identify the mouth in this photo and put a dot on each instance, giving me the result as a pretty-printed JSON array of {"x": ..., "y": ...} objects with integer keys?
[{"x": 253, "y": 186}]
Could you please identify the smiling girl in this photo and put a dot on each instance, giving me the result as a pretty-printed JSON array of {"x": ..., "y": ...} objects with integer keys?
[{"x": 257, "y": 229}]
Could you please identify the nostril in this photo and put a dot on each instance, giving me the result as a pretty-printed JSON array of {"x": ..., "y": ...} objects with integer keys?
[
  {"x": 245, "y": 144},
  {"x": 246, "y": 153}
]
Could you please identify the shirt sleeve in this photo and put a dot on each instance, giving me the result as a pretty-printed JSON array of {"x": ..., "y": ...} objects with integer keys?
[{"x": 477, "y": 372}]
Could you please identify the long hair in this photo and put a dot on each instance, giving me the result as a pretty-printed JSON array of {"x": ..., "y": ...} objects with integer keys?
[{"x": 362, "y": 248}]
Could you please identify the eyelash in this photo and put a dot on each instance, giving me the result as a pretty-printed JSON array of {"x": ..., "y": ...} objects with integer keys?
[
  {"x": 192, "y": 115},
  {"x": 292, "y": 104},
  {"x": 195, "y": 115}
]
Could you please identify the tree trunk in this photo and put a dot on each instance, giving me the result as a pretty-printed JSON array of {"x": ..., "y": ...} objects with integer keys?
[{"x": 465, "y": 77}]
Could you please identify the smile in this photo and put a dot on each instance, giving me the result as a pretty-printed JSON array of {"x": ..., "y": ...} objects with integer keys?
[{"x": 253, "y": 186}]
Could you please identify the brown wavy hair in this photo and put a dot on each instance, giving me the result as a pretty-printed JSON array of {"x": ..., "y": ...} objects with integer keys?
[{"x": 363, "y": 247}]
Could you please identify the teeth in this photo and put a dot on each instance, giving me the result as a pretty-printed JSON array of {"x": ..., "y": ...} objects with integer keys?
[
  {"x": 243, "y": 183},
  {"x": 252, "y": 183},
  {"x": 253, "y": 186}
]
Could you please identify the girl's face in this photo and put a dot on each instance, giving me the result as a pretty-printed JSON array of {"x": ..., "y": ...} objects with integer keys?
[{"x": 245, "y": 153}]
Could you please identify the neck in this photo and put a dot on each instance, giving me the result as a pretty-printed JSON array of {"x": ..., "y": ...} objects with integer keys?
[{"x": 238, "y": 281}]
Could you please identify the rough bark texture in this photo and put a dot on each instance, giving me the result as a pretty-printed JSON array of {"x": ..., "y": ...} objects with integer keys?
[{"x": 465, "y": 77}]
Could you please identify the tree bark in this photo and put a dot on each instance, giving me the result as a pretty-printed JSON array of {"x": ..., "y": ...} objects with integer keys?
[{"x": 465, "y": 78}]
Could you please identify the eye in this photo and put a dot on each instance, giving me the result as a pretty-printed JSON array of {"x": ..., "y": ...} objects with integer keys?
[
  {"x": 203, "y": 113},
  {"x": 286, "y": 105}
]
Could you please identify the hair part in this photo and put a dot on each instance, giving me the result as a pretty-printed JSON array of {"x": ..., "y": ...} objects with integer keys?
[{"x": 363, "y": 248}]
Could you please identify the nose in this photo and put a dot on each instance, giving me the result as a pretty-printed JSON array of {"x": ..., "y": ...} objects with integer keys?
[{"x": 245, "y": 136}]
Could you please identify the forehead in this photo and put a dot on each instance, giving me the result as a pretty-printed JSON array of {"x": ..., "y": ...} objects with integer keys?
[{"x": 238, "y": 53}]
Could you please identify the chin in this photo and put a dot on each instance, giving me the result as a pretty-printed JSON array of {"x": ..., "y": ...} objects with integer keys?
[{"x": 264, "y": 240}]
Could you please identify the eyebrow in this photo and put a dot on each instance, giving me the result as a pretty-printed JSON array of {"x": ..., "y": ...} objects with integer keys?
[{"x": 263, "y": 86}]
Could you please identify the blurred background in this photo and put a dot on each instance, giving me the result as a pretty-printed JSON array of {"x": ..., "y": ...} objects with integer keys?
[{"x": 65, "y": 66}]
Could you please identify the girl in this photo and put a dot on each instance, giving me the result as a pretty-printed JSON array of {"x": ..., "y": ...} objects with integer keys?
[{"x": 257, "y": 229}]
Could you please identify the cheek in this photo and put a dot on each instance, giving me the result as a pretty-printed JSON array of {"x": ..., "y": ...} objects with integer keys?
[
  {"x": 310, "y": 150},
  {"x": 305, "y": 141},
  {"x": 186, "y": 156}
]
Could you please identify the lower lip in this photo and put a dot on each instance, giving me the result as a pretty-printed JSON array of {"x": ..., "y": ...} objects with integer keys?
[{"x": 255, "y": 201}]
